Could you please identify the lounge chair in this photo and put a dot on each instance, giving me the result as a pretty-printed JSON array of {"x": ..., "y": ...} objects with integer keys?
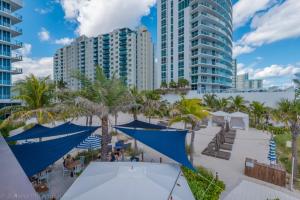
[
  {"x": 43, "y": 176},
  {"x": 217, "y": 154},
  {"x": 224, "y": 146},
  {"x": 227, "y": 140},
  {"x": 65, "y": 171}
]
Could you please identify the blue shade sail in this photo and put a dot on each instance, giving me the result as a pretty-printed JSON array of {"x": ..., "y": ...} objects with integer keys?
[
  {"x": 39, "y": 131},
  {"x": 30, "y": 133},
  {"x": 141, "y": 124},
  {"x": 169, "y": 142},
  {"x": 36, "y": 157}
]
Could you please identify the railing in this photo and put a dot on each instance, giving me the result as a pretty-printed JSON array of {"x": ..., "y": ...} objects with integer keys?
[
  {"x": 8, "y": 11},
  {"x": 17, "y": 70},
  {"x": 19, "y": 2}
]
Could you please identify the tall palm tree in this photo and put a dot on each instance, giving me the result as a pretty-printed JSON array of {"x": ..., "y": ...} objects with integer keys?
[
  {"x": 152, "y": 103},
  {"x": 289, "y": 113},
  {"x": 238, "y": 104},
  {"x": 137, "y": 103},
  {"x": 258, "y": 110},
  {"x": 37, "y": 97},
  {"x": 210, "y": 101},
  {"x": 222, "y": 104},
  {"x": 189, "y": 111},
  {"x": 107, "y": 96}
]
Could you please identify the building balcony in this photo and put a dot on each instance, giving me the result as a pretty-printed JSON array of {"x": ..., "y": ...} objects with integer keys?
[
  {"x": 16, "y": 45},
  {"x": 5, "y": 83},
  {"x": 15, "y": 31},
  {"x": 16, "y": 71},
  {"x": 15, "y": 4},
  {"x": 16, "y": 58},
  {"x": 13, "y": 71},
  {"x": 15, "y": 17}
]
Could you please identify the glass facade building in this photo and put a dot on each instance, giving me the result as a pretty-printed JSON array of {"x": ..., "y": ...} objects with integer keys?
[
  {"x": 199, "y": 45},
  {"x": 8, "y": 31}
]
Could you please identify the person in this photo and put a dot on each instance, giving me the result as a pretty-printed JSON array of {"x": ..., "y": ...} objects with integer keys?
[
  {"x": 68, "y": 163},
  {"x": 112, "y": 157}
]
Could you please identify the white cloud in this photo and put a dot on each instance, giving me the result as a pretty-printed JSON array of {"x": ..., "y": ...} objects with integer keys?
[
  {"x": 40, "y": 67},
  {"x": 43, "y": 11},
  {"x": 278, "y": 23},
  {"x": 64, "y": 41},
  {"x": 241, "y": 49},
  {"x": 244, "y": 10},
  {"x": 273, "y": 75},
  {"x": 44, "y": 34},
  {"x": 101, "y": 16},
  {"x": 276, "y": 71},
  {"x": 25, "y": 51}
]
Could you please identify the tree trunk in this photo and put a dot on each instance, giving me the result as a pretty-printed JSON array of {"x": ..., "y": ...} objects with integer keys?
[
  {"x": 116, "y": 119},
  {"x": 135, "y": 116},
  {"x": 135, "y": 142},
  {"x": 91, "y": 120},
  {"x": 149, "y": 120},
  {"x": 86, "y": 120},
  {"x": 295, "y": 153},
  {"x": 106, "y": 139},
  {"x": 192, "y": 146}
]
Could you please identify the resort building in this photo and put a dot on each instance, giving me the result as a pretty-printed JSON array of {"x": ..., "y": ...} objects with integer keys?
[
  {"x": 124, "y": 53},
  {"x": 244, "y": 83},
  {"x": 195, "y": 43},
  {"x": 8, "y": 31}
]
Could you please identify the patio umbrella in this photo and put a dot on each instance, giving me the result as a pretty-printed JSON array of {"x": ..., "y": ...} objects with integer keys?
[
  {"x": 92, "y": 142},
  {"x": 272, "y": 152}
]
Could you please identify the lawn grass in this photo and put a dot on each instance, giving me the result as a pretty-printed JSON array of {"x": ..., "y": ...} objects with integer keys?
[
  {"x": 203, "y": 184},
  {"x": 285, "y": 154}
]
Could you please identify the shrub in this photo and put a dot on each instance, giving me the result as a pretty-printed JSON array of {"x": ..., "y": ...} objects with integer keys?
[
  {"x": 278, "y": 130},
  {"x": 5, "y": 130},
  {"x": 200, "y": 184}
]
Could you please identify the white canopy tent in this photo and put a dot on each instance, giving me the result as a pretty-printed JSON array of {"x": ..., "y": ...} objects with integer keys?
[
  {"x": 218, "y": 117},
  {"x": 239, "y": 120},
  {"x": 129, "y": 181}
]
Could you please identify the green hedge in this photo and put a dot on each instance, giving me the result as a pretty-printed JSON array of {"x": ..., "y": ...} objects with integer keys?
[
  {"x": 278, "y": 130},
  {"x": 201, "y": 184},
  {"x": 5, "y": 130}
]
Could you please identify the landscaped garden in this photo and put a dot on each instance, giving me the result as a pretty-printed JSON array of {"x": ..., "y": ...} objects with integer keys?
[{"x": 203, "y": 184}]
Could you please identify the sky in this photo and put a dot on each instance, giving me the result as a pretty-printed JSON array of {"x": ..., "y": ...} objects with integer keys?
[{"x": 266, "y": 32}]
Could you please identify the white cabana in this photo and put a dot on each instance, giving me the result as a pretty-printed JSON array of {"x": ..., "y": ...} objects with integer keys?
[
  {"x": 218, "y": 117},
  {"x": 130, "y": 181},
  {"x": 239, "y": 120}
]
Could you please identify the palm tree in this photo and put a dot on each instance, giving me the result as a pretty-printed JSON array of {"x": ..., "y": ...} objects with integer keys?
[
  {"x": 189, "y": 111},
  {"x": 37, "y": 97},
  {"x": 210, "y": 101},
  {"x": 258, "y": 111},
  {"x": 222, "y": 104},
  {"x": 152, "y": 103},
  {"x": 104, "y": 96},
  {"x": 238, "y": 104},
  {"x": 137, "y": 102},
  {"x": 289, "y": 113}
]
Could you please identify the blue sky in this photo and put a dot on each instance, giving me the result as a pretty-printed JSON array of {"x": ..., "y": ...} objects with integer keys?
[{"x": 266, "y": 33}]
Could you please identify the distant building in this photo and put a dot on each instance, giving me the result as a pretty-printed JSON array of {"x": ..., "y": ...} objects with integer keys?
[
  {"x": 244, "y": 83},
  {"x": 8, "y": 31},
  {"x": 234, "y": 73},
  {"x": 126, "y": 53}
]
